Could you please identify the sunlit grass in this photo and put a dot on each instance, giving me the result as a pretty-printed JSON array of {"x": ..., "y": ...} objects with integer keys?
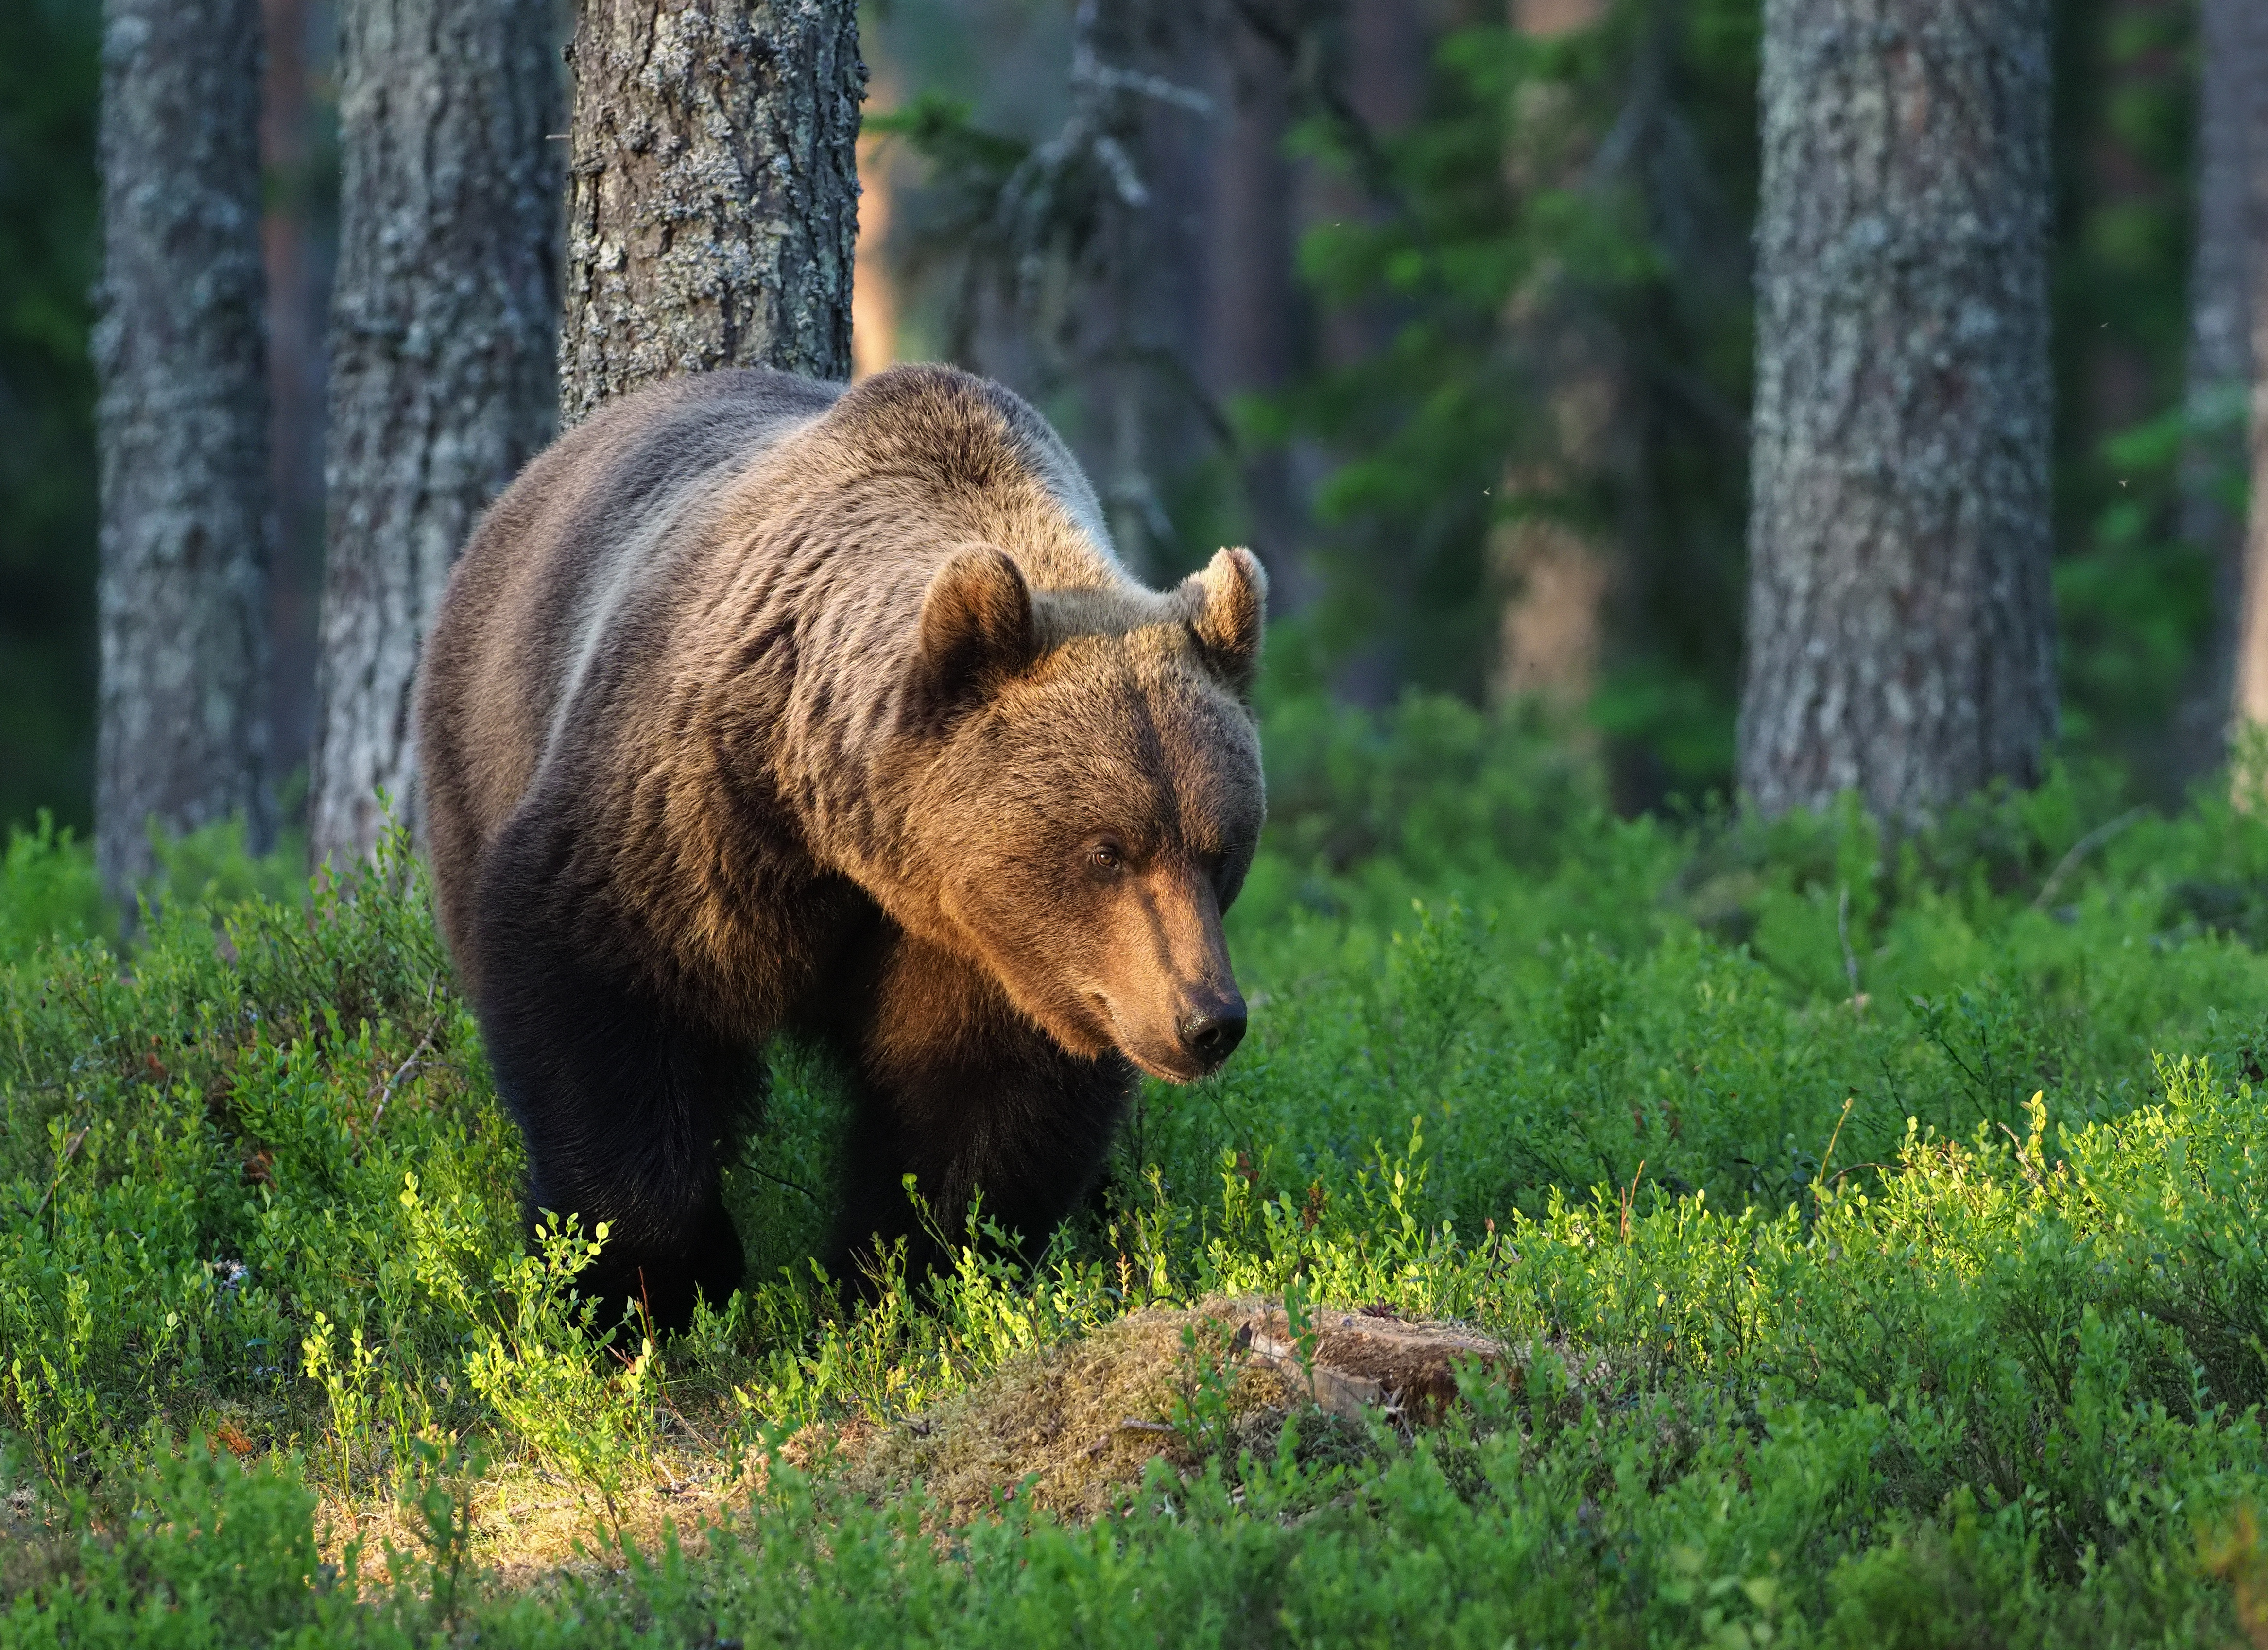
[{"x": 1875, "y": 1229}]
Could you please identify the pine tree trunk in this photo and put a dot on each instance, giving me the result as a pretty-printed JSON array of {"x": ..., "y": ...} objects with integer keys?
[
  {"x": 2233, "y": 100},
  {"x": 874, "y": 296},
  {"x": 441, "y": 344},
  {"x": 713, "y": 201},
  {"x": 1252, "y": 293},
  {"x": 182, "y": 425},
  {"x": 2251, "y": 667},
  {"x": 1900, "y": 637},
  {"x": 1552, "y": 633},
  {"x": 294, "y": 179}
]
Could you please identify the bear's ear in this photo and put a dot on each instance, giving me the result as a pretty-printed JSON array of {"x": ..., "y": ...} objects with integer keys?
[
  {"x": 1230, "y": 600},
  {"x": 977, "y": 629}
]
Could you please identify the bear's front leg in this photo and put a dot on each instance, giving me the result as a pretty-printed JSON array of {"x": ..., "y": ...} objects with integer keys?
[
  {"x": 624, "y": 1106},
  {"x": 961, "y": 1092}
]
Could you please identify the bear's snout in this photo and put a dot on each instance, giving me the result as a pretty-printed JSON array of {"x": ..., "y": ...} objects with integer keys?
[{"x": 1212, "y": 1030}]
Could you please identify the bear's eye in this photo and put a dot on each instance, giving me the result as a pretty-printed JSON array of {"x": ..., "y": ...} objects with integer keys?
[{"x": 1106, "y": 857}]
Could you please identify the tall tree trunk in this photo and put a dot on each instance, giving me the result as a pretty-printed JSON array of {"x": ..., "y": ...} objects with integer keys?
[
  {"x": 1900, "y": 635},
  {"x": 1388, "y": 46},
  {"x": 290, "y": 234},
  {"x": 442, "y": 344},
  {"x": 2244, "y": 35},
  {"x": 182, "y": 422},
  {"x": 2232, "y": 103},
  {"x": 1158, "y": 425},
  {"x": 873, "y": 286},
  {"x": 712, "y": 208},
  {"x": 1552, "y": 631},
  {"x": 1252, "y": 321}
]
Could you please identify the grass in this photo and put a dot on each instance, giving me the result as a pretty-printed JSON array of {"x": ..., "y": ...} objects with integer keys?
[{"x": 1876, "y": 1227}]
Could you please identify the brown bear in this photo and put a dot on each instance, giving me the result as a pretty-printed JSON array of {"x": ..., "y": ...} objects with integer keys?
[{"x": 760, "y": 704}]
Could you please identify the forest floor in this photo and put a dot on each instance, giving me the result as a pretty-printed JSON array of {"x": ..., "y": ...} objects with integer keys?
[{"x": 1787, "y": 1236}]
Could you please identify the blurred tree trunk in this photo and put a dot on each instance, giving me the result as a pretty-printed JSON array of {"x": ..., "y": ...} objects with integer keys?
[
  {"x": 1252, "y": 297},
  {"x": 712, "y": 205},
  {"x": 2243, "y": 37},
  {"x": 874, "y": 294},
  {"x": 2232, "y": 102},
  {"x": 1901, "y": 630},
  {"x": 1388, "y": 46},
  {"x": 1559, "y": 575},
  {"x": 297, "y": 197},
  {"x": 442, "y": 342},
  {"x": 1105, "y": 251},
  {"x": 182, "y": 422}
]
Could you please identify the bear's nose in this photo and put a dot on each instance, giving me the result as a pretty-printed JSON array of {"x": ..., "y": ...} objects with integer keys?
[{"x": 1211, "y": 1033}]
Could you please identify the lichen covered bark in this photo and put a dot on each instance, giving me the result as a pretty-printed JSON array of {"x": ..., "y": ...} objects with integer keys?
[
  {"x": 712, "y": 205},
  {"x": 1900, "y": 627},
  {"x": 442, "y": 346},
  {"x": 181, "y": 361}
]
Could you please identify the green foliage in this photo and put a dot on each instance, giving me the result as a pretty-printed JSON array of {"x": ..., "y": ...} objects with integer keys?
[
  {"x": 211, "y": 867},
  {"x": 48, "y": 890},
  {"x": 590, "y": 1425},
  {"x": 1568, "y": 220},
  {"x": 1563, "y": 227},
  {"x": 1432, "y": 786},
  {"x": 2134, "y": 602},
  {"x": 1877, "y": 1227}
]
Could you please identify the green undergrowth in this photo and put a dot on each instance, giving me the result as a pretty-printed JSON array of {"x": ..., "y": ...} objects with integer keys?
[{"x": 1876, "y": 1224}]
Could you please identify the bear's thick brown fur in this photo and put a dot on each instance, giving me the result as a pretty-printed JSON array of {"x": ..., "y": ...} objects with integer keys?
[{"x": 758, "y": 703}]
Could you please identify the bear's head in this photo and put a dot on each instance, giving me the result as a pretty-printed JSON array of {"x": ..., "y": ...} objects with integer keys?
[{"x": 1093, "y": 797}]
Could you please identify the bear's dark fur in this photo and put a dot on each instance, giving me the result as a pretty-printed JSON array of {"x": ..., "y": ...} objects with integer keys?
[{"x": 757, "y": 703}]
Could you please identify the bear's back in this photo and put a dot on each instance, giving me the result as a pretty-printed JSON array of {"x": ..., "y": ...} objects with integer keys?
[{"x": 533, "y": 595}]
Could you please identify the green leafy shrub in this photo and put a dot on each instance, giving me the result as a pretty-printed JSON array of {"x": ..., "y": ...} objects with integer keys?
[
  {"x": 48, "y": 890},
  {"x": 1876, "y": 1227}
]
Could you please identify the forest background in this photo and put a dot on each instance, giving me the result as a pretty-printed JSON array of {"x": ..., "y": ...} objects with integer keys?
[
  {"x": 1445, "y": 309},
  {"x": 1861, "y": 1194}
]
